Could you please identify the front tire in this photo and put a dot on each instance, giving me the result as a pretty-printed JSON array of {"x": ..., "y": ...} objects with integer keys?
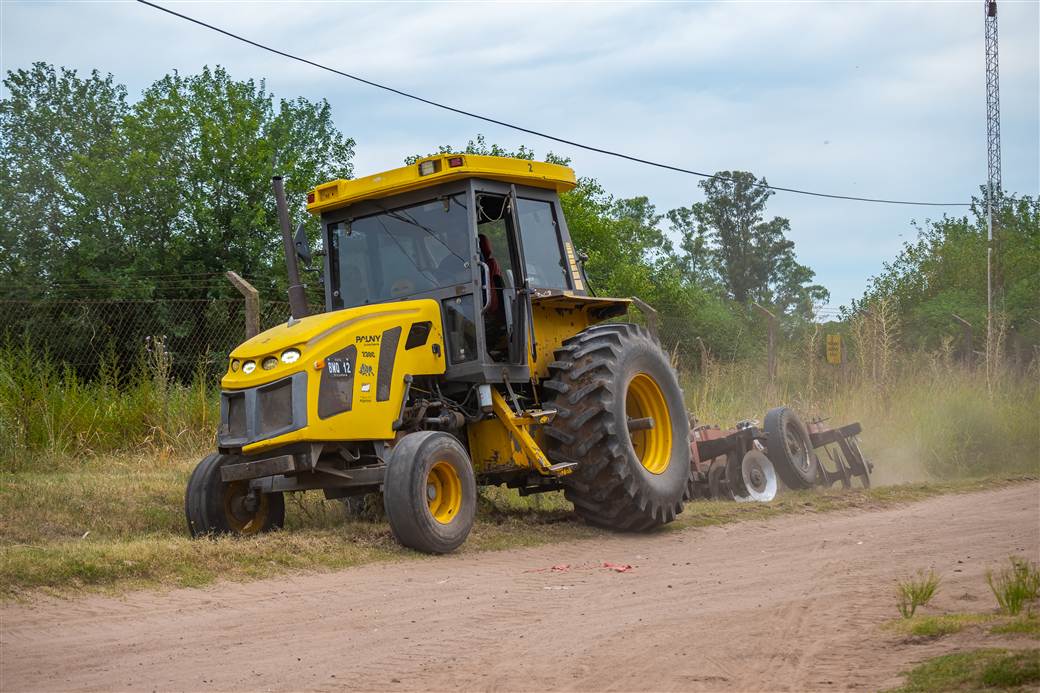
[
  {"x": 213, "y": 506},
  {"x": 607, "y": 379},
  {"x": 430, "y": 492}
]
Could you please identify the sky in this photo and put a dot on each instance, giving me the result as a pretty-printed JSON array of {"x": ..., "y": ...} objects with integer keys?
[{"x": 874, "y": 99}]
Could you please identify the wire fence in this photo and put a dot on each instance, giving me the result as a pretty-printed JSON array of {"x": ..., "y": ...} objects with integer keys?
[{"x": 88, "y": 335}]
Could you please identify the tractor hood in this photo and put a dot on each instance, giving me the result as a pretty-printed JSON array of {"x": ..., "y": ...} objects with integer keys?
[{"x": 316, "y": 337}]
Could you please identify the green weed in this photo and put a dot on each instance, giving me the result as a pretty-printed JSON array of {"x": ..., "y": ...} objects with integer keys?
[
  {"x": 1015, "y": 585},
  {"x": 978, "y": 670},
  {"x": 916, "y": 591}
]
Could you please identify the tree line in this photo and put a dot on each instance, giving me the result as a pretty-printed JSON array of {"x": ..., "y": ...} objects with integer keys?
[{"x": 155, "y": 198}]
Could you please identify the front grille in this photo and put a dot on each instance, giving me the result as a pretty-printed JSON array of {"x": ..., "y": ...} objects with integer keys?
[
  {"x": 275, "y": 403},
  {"x": 266, "y": 411},
  {"x": 236, "y": 419}
]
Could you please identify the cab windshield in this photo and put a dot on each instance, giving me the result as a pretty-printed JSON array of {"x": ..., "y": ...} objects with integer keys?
[{"x": 400, "y": 252}]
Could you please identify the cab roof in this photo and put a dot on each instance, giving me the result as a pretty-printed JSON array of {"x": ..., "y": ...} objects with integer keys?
[{"x": 433, "y": 170}]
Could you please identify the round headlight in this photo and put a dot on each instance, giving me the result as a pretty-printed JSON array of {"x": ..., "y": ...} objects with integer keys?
[
  {"x": 269, "y": 363},
  {"x": 234, "y": 365},
  {"x": 248, "y": 367},
  {"x": 290, "y": 355}
]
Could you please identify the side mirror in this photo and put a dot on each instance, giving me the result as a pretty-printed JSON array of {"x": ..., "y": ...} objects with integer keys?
[{"x": 303, "y": 243}]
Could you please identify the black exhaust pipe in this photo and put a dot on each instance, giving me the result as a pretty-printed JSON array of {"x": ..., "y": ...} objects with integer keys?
[{"x": 297, "y": 298}]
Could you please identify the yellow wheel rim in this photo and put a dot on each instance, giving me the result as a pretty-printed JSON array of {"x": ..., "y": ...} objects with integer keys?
[
  {"x": 239, "y": 518},
  {"x": 443, "y": 492},
  {"x": 653, "y": 447}
]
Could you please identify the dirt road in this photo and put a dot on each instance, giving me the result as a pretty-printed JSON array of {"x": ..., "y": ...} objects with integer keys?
[{"x": 789, "y": 604}]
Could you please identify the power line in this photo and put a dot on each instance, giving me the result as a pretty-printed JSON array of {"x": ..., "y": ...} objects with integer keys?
[{"x": 529, "y": 131}]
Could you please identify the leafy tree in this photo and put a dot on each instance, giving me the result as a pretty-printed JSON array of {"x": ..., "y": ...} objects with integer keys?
[
  {"x": 104, "y": 196},
  {"x": 726, "y": 240},
  {"x": 943, "y": 272}
]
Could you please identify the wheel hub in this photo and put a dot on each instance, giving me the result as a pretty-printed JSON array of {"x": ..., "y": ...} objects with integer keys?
[
  {"x": 443, "y": 492},
  {"x": 652, "y": 443}
]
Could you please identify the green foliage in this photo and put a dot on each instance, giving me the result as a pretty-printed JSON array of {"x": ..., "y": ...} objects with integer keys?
[
  {"x": 943, "y": 272},
  {"x": 104, "y": 197},
  {"x": 916, "y": 591},
  {"x": 1015, "y": 585},
  {"x": 977, "y": 670},
  {"x": 48, "y": 413}
]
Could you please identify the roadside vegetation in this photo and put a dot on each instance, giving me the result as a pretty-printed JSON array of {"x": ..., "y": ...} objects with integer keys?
[
  {"x": 978, "y": 670},
  {"x": 117, "y": 522}
]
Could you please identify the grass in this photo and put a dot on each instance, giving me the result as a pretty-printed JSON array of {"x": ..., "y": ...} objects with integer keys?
[
  {"x": 939, "y": 625},
  {"x": 1015, "y": 585},
  {"x": 977, "y": 670},
  {"x": 936, "y": 626},
  {"x": 117, "y": 523},
  {"x": 916, "y": 591}
]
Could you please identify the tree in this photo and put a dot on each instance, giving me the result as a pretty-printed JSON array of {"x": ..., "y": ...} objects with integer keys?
[
  {"x": 726, "y": 240},
  {"x": 943, "y": 272},
  {"x": 104, "y": 196}
]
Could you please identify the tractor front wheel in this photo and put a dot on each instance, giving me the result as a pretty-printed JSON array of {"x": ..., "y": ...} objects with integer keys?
[
  {"x": 213, "y": 506},
  {"x": 430, "y": 492}
]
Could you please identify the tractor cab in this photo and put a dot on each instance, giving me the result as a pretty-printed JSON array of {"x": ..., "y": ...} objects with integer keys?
[{"x": 483, "y": 236}]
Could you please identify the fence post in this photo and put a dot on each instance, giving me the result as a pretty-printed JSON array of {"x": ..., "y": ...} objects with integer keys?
[
  {"x": 967, "y": 337},
  {"x": 252, "y": 297},
  {"x": 772, "y": 344},
  {"x": 650, "y": 313}
]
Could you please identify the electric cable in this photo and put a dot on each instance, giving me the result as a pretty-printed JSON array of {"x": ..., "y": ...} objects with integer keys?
[{"x": 536, "y": 133}]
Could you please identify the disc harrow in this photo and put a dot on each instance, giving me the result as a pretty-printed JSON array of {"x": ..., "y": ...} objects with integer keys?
[{"x": 751, "y": 463}]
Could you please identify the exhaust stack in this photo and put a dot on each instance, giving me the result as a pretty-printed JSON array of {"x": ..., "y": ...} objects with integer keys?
[{"x": 297, "y": 298}]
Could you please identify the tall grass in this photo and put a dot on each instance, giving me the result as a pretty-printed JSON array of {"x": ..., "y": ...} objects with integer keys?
[
  {"x": 925, "y": 416},
  {"x": 52, "y": 418}
]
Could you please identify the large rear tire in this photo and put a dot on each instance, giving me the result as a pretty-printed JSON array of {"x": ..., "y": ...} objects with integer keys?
[
  {"x": 430, "y": 492},
  {"x": 213, "y": 506},
  {"x": 608, "y": 382}
]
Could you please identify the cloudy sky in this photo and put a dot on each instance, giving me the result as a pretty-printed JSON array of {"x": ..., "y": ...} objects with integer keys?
[{"x": 875, "y": 99}]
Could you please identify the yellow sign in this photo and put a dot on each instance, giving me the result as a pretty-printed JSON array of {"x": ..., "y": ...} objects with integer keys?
[{"x": 834, "y": 349}]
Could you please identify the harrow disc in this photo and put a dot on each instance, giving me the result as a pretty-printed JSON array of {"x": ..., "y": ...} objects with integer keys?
[
  {"x": 758, "y": 476},
  {"x": 717, "y": 485}
]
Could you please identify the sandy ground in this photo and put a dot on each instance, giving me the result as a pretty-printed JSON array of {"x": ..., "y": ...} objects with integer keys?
[{"x": 789, "y": 604}]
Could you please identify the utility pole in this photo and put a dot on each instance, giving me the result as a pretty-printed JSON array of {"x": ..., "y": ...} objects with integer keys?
[{"x": 993, "y": 186}]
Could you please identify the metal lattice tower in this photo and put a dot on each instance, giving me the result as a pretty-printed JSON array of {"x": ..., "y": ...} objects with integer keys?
[
  {"x": 992, "y": 101},
  {"x": 993, "y": 187}
]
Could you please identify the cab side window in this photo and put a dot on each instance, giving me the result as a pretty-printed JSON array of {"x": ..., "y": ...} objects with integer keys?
[{"x": 541, "y": 241}]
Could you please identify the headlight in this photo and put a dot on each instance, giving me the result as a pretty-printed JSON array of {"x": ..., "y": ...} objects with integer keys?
[
  {"x": 269, "y": 363},
  {"x": 248, "y": 367},
  {"x": 234, "y": 365},
  {"x": 290, "y": 355}
]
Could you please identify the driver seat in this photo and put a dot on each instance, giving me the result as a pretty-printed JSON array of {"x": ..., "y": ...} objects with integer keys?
[{"x": 497, "y": 279}]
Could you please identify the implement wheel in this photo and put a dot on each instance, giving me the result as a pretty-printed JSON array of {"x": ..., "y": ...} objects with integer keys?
[
  {"x": 430, "y": 493},
  {"x": 215, "y": 507},
  {"x": 621, "y": 418},
  {"x": 789, "y": 448}
]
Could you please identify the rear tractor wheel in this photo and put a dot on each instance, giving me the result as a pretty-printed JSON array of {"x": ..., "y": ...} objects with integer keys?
[
  {"x": 430, "y": 493},
  {"x": 213, "y": 506},
  {"x": 622, "y": 419}
]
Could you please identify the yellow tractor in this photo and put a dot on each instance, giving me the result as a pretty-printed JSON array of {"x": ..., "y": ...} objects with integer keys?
[{"x": 460, "y": 345}]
